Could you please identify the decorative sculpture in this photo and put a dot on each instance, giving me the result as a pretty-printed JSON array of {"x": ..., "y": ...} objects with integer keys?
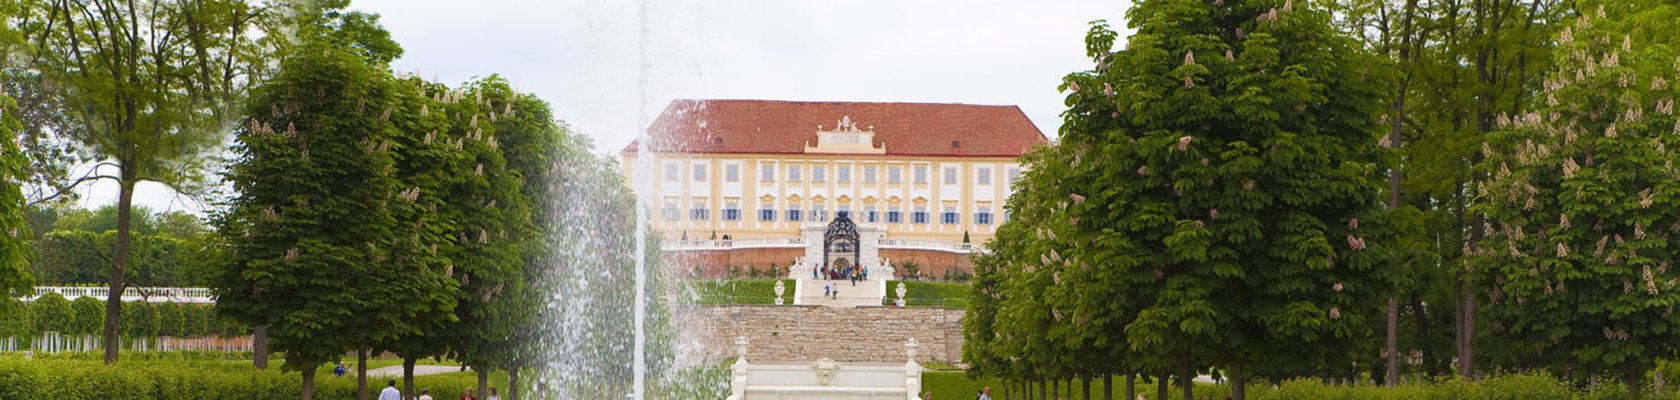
[
  {"x": 741, "y": 347},
  {"x": 901, "y": 290},
  {"x": 825, "y": 369},
  {"x": 780, "y": 288},
  {"x": 910, "y": 348}
]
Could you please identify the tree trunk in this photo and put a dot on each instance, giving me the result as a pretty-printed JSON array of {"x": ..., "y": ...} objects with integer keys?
[
  {"x": 361, "y": 374},
  {"x": 309, "y": 383},
  {"x": 483, "y": 382},
  {"x": 1085, "y": 388},
  {"x": 1055, "y": 389},
  {"x": 119, "y": 259},
  {"x": 1131, "y": 386},
  {"x": 1161, "y": 386},
  {"x": 1393, "y": 344},
  {"x": 408, "y": 377},
  {"x": 1043, "y": 390},
  {"x": 1186, "y": 376},
  {"x": 513, "y": 383},
  {"x": 259, "y": 347},
  {"x": 1467, "y": 349},
  {"x": 1239, "y": 382},
  {"x": 1108, "y": 387},
  {"x": 1421, "y": 315}
]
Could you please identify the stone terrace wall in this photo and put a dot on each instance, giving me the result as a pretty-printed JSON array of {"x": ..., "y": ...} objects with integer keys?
[{"x": 806, "y": 333}]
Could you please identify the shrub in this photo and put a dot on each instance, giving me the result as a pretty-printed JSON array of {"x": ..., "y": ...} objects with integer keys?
[{"x": 177, "y": 380}]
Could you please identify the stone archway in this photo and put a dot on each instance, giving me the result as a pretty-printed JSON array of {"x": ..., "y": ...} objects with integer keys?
[{"x": 840, "y": 239}]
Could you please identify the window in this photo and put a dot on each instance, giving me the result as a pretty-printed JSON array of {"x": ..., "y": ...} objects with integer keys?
[
  {"x": 671, "y": 172},
  {"x": 793, "y": 213},
  {"x": 949, "y": 217},
  {"x": 950, "y": 175},
  {"x": 732, "y": 210},
  {"x": 984, "y": 175},
  {"x": 869, "y": 174},
  {"x": 845, "y": 174},
  {"x": 921, "y": 174},
  {"x": 699, "y": 212},
  {"x": 984, "y": 216},
  {"x": 1014, "y": 175},
  {"x": 895, "y": 174},
  {"x": 769, "y": 174},
  {"x": 894, "y": 215},
  {"x": 767, "y": 213},
  {"x": 670, "y": 212},
  {"x": 819, "y": 213},
  {"x": 699, "y": 172},
  {"x": 920, "y": 216},
  {"x": 869, "y": 214},
  {"x": 793, "y": 173},
  {"x": 732, "y": 173},
  {"x": 818, "y": 173}
]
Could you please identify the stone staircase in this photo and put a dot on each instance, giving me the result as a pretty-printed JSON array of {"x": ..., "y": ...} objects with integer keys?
[
  {"x": 824, "y": 379},
  {"x": 866, "y": 293}
]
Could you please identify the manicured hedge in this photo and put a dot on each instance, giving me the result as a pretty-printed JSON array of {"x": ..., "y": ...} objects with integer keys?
[
  {"x": 86, "y": 316},
  {"x": 738, "y": 291},
  {"x": 930, "y": 294},
  {"x": 80, "y": 380},
  {"x": 954, "y": 385}
]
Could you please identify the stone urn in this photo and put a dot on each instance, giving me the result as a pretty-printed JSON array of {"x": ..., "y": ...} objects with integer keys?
[
  {"x": 900, "y": 290},
  {"x": 780, "y": 288},
  {"x": 741, "y": 347},
  {"x": 825, "y": 369},
  {"x": 910, "y": 348}
]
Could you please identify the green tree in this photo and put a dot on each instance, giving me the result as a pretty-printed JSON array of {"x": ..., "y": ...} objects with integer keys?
[
  {"x": 1579, "y": 207},
  {"x": 317, "y": 246},
  {"x": 143, "y": 123},
  {"x": 14, "y": 279},
  {"x": 1457, "y": 65},
  {"x": 1207, "y": 195}
]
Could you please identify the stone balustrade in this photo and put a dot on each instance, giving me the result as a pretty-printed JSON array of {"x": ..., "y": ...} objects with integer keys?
[{"x": 148, "y": 294}]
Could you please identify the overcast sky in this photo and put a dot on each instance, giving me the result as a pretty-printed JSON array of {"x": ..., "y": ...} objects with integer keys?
[{"x": 583, "y": 55}]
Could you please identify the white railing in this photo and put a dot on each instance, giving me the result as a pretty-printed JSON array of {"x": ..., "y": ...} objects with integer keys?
[
  {"x": 733, "y": 243},
  {"x": 148, "y": 294},
  {"x": 931, "y": 245}
]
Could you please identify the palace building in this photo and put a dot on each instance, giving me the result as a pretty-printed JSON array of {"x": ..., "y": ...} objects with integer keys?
[{"x": 745, "y": 182}]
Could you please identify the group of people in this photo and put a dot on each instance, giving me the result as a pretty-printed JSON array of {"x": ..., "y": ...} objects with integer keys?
[
  {"x": 852, "y": 273},
  {"x": 392, "y": 393}
]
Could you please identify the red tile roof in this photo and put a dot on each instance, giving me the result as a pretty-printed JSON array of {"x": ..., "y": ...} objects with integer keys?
[{"x": 786, "y": 127}]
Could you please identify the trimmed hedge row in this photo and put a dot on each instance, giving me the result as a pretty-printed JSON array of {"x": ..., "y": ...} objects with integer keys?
[
  {"x": 73, "y": 380},
  {"x": 86, "y": 316},
  {"x": 954, "y": 385}
]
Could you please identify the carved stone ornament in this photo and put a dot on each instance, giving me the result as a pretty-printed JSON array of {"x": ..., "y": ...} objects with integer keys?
[{"x": 825, "y": 369}]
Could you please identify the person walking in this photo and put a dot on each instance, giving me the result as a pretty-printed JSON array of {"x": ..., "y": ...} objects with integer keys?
[
  {"x": 468, "y": 395},
  {"x": 390, "y": 392},
  {"x": 493, "y": 395},
  {"x": 340, "y": 370},
  {"x": 986, "y": 393},
  {"x": 425, "y": 394}
]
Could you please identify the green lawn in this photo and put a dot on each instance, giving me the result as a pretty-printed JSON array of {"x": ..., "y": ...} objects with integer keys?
[
  {"x": 930, "y": 294},
  {"x": 736, "y": 292}
]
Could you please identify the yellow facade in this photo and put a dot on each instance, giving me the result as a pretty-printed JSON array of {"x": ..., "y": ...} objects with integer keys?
[{"x": 692, "y": 193}]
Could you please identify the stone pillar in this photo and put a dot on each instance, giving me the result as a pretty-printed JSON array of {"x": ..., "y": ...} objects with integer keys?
[
  {"x": 738, "y": 382},
  {"x": 912, "y": 371}
]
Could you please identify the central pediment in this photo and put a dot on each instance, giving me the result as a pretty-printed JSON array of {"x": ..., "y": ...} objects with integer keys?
[{"x": 846, "y": 138}]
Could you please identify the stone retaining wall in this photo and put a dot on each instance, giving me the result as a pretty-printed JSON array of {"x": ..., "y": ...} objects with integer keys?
[{"x": 807, "y": 333}]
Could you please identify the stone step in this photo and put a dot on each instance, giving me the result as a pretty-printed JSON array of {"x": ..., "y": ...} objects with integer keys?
[
  {"x": 823, "y": 393},
  {"x": 849, "y": 375}
]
